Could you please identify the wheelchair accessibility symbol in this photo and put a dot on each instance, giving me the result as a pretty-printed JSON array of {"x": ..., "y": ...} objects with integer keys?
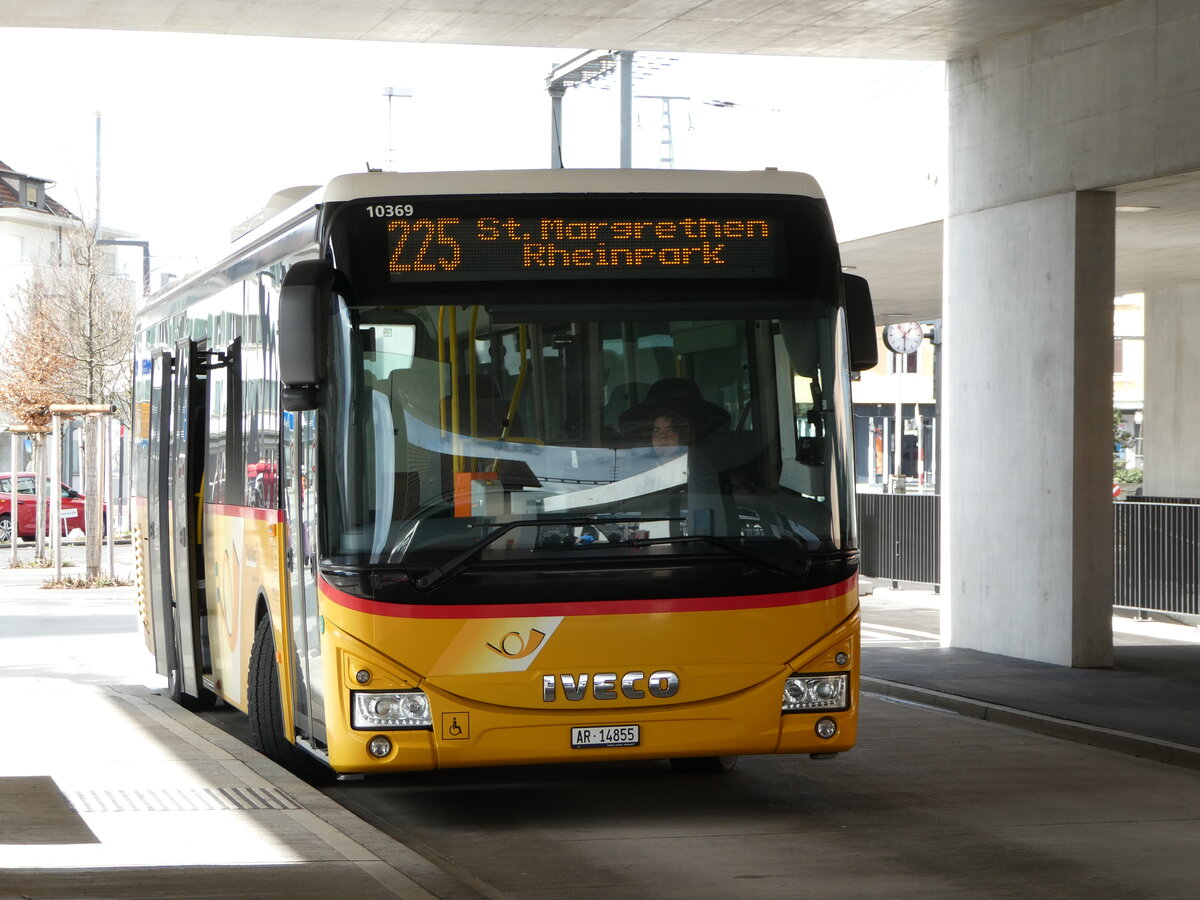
[{"x": 456, "y": 726}]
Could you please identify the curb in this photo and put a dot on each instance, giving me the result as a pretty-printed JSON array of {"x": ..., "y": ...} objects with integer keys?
[
  {"x": 379, "y": 855},
  {"x": 1093, "y": 735}
]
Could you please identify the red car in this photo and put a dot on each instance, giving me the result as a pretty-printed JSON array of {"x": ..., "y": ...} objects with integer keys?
[{"x": 72, "y": 507}]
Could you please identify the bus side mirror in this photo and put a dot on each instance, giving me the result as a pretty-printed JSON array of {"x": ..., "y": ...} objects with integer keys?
[
  {"x": 860, "y": 323},
  {"x": 304, "y": 302}
]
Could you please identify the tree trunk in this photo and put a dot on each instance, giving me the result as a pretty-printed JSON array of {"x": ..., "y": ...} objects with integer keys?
[
  {"x": 92, "y": 493},
  {"x": 39, "y": 496}
]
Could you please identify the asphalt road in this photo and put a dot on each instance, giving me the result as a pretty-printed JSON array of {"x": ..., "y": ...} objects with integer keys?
[{"x": 928, "y": 805}]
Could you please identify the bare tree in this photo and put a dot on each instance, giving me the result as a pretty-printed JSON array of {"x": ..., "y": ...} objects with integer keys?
[
  {"x": 96, "y": 325},
  {"x": 31, "y": 379},
  {"x": 71, "y": 341},
  {"x": 34, "y": 370}
]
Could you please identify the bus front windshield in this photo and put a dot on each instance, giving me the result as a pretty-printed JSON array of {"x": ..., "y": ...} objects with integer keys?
[{"x": 591, "y": 428}]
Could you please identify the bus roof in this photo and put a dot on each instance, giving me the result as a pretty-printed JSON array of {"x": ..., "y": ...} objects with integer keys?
[
  {"x": 569, "y": 181},
  {"x": 296, "y": 203},
  {"x": 290, "y": 202}
]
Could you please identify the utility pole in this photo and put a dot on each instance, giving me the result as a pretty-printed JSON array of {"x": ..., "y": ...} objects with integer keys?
[
  {"x": 666, "y": 155},
  {"x": 625, "y": 77},
  {"x": 391, "y": 93},
  {"x": 97, "y": 226},
  {"x": 556, "y": 97}
]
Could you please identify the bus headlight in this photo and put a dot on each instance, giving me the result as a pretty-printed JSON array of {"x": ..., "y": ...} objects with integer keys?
[
  {"x": 808, "y": 693},
  {"x": 373, "y": 710}
]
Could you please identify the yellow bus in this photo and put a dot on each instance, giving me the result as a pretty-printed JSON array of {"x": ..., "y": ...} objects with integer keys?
[{"x": 470, "y": 469}]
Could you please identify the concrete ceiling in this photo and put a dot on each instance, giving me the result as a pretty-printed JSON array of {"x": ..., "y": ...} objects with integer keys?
[
  {"x": 905, "y": 267},
  {"x": 1157, "y": 246},
  {"x": 883, "y": 29},
  {"x": 1157, "y": 226}
]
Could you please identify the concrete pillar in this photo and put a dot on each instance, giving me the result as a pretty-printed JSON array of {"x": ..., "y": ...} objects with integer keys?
[
  {"x": 1027, "y": 510},
  {"x": 1171, "y": 423}
]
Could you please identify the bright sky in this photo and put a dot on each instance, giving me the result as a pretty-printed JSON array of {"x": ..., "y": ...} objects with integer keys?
[{"x": 199, "y": 130}]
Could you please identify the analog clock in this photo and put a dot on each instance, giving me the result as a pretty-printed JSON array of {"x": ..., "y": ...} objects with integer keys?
[{"x": 903, "y": 337}]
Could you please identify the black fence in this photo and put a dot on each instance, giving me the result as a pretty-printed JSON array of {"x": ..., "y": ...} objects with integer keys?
[
  {"x": 1156, "y": 563},
  {"x": 898, "y": 536}
]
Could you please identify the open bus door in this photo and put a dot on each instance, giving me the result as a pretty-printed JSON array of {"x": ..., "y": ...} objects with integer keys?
[
  {"x": 299, "y": 474},
  {"x": 158, "y": 526},
  {"x": 185, "y": 455}
]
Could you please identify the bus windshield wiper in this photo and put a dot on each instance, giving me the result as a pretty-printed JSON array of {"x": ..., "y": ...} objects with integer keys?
[
  {"x": 460, "y": 560},
  {"x": 789, "y": 568}
]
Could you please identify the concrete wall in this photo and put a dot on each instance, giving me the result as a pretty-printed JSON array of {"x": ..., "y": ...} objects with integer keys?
[
  {"x": 1037, "y": 124},
  {"x": 1026, "y": 499},
  {"x": 1093, "y": 102},
  {"x": 1171, "y": 434}
]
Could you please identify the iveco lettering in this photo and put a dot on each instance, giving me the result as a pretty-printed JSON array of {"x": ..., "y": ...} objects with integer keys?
[{"x": 604, "y": 686}]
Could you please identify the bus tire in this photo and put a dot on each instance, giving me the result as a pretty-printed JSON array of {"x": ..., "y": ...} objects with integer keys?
[
  {"x": 263, "y": 697},
  {"x": 265, "y": 706},
  {"x": 703, "y": 765}
]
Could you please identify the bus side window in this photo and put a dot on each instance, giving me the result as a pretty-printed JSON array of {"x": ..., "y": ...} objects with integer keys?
[{"x": 224, "y": 431}]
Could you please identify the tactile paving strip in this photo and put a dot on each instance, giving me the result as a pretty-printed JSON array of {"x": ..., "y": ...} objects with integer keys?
[{"x": 180, "y": 799}]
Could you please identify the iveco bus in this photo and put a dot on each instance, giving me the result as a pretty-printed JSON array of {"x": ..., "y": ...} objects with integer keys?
[{"x": 468, "y": 469}]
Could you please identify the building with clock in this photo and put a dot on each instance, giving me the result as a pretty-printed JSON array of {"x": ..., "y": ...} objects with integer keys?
[
  {"x": 899, "y": 397},
  {"x": 907, "y": 375}
]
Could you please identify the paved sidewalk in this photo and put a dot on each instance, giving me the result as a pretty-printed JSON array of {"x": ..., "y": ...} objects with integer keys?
[
  {"x": 113, "y": 791},
  {"x": 1145, "y": 705},
  {"x": 110, "y": 790}
]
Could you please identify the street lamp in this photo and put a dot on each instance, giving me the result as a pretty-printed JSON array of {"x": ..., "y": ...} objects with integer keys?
[
  {"x": 391, "y": 93},
  {"x": 145, "y": 245}
]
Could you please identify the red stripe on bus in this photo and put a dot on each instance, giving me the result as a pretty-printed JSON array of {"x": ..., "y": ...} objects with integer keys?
[
  {"x": 244, "y": 512},
  {"x": 585, "y": 608}
]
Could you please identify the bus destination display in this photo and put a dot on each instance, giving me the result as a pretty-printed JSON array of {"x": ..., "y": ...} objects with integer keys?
[{"x": 507, "y": 247}]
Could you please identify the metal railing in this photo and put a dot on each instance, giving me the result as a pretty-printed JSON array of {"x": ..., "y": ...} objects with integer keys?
[
  {"x": 899, "y": 535},
  {"x": 1156, "y": 558},
  {"x": 1156, "y": 565}
]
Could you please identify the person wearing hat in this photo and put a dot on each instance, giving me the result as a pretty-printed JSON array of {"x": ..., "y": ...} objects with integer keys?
[{"x": 673, "y": 415}]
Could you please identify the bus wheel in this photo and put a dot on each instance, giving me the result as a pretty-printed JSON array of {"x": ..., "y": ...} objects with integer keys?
[
  {"x": 703, "y": 765},
  {"x": 265, "y": 705},
  {"x": 266, "y": 710}
]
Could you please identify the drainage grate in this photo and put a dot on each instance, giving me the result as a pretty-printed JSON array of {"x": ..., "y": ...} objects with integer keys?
[{"x": 180, "y": 799}]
